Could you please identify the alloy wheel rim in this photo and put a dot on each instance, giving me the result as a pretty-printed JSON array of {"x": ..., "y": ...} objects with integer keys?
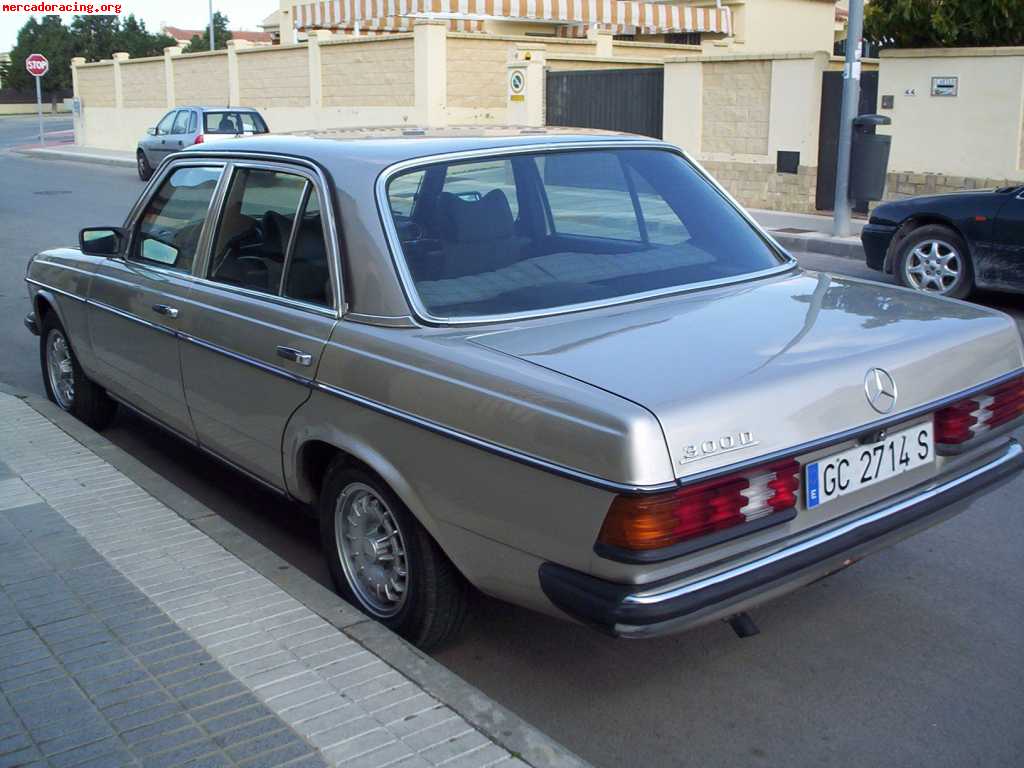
[
  {"x": 142, "y": 164},
  {"x": 934, "y": 266},
  {"x": 60, "y": 369},
  {"x": 371, "y": 549}
]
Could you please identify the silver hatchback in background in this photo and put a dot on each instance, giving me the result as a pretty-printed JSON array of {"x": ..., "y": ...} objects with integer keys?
[{"x": 185, "y": 126}]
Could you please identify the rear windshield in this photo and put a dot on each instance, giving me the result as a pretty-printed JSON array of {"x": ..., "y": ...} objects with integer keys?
[
  {"x": 539, "y": 232},
  {"x": 233, "y": 122}
]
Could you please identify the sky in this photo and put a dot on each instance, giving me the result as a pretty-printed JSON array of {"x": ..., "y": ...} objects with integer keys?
[{"x": 187, "y": 14}]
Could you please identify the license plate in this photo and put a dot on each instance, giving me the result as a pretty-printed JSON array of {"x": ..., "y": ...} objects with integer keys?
[{"x": 850, "y": 471}]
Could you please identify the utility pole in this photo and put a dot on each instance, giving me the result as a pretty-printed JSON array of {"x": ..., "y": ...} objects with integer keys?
[
  {"x": 212, "y": 46},
  {"x": 851, "y": 100}
]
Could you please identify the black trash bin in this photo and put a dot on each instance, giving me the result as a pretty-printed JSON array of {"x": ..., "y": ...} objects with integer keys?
[{"x": 869, "y": 158}]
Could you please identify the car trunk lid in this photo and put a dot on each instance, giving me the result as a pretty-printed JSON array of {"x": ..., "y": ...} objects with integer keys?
[{"x": 753, "y": 369}]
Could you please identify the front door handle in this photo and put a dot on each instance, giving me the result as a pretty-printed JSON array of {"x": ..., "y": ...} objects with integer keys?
[
  {"x": 167, "y": 311},
  {"x": 295, "y": 355}
]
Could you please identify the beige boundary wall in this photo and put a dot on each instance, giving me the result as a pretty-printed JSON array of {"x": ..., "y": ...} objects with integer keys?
[{"x": 431, "y": 77}]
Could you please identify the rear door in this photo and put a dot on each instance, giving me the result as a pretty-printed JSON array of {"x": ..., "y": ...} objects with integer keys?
[
  {"x": 266, "y": 302},
  {"x": 137, "y": 302}
]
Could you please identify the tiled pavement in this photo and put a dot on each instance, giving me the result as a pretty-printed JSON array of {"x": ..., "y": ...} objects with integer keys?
[{"x": 128, "y": 637}]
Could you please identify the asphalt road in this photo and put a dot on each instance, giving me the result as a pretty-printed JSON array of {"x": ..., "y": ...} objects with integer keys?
[
  {"x": 912, "y": 657},
  {"x": 17, "y": 130}
]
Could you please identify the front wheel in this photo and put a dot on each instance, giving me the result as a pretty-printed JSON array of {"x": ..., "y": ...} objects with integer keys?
[
  {"x": 384, "y": 562},
  {"x": 142, "y": 165},
  {"x": 65, "y": 381},
  {"x": 934, "y": 259}
]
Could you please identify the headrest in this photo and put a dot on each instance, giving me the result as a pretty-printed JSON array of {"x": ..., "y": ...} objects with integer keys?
[{"x": 489, "y": 218}]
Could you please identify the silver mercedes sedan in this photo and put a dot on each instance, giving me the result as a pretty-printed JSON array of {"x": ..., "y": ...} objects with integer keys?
[{"x": 565, "y": 369}]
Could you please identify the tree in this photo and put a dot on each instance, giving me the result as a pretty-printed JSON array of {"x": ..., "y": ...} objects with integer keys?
[
  {"x": 93, "y": 37},
  {"x": 221, "y": 35},
  {"x": 50, "y": 38},
  {"x": 944, "y": 23}
]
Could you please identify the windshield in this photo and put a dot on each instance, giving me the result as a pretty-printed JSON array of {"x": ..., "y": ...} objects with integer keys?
[
  {"x": 233, "y": 122},
  {"x": 540, "y": 232}
]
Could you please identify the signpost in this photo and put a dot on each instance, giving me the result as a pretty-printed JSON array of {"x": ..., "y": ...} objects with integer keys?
[{"x": 37, "y": 66}]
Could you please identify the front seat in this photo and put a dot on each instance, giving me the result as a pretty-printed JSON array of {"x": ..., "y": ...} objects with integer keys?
[{"x": 477, "y": 235}]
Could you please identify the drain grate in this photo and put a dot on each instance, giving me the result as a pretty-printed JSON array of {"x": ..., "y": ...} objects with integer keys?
[
  {"x": 53, "y": 192},
  {"x": 793, "y": 231}
]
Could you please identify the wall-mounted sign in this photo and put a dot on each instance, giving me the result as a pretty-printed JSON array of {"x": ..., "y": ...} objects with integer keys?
[
  {"x": 945, "y": 86},
  {"x": 517, "y": 85},
  {"x": 888, "y": 101}
]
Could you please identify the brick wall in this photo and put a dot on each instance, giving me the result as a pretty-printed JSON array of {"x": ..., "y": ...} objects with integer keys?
[
  {"x": 96, "y": 85},
  {"x": 370, "y": 73},
  {"x": 899, "y": 185},
  {"x": 273, "y": 77},
  {"x": 142, "y": 83},
  {"x": 201, "y": 78},
  {"x": 477, "y": 73},
  {"x": 736, "y": 107},
  {"x": 757, "y": 185}
]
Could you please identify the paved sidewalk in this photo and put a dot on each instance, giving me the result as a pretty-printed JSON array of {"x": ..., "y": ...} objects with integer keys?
[
  {"x": 130, "y": 637},
  {"x": 81, "y": 154},
  {"x": 806, "y": 232}
]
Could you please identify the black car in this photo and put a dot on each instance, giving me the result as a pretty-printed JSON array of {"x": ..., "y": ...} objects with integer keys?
[{"x": 950, "y": 244}]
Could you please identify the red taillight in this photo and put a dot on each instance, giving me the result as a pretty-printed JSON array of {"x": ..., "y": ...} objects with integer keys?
[
  {"x": 653, "y": 522},
  {"x": 968, "y": 418},
  {"x": 199, "y": 139}
]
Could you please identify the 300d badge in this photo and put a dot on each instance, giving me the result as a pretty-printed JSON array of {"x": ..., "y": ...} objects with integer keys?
[{"x": 733, "y": 441}]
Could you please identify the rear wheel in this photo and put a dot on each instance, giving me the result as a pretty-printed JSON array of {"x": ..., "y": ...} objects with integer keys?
[
  {"x": 934, "y": 259},
  {"x": 66, "y": 383},
  {"x": 384, "y": 562},
  {"x": 142, "y": 165}
]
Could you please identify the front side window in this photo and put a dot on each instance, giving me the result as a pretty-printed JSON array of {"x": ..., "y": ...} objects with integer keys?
[
  {"x": 164, "y": 126},
  {"x": 233, "y": 122},
  {"x": 545, "y": 231},
  {"x": 169, "y": 228},
  {"x": 270, "y": 237}
]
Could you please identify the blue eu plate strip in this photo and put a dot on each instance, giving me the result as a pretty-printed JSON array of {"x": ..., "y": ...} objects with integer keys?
[{"x": 813, "y": 498}]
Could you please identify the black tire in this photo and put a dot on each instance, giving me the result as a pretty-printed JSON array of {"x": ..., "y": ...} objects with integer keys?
[
  {"x": 89, "y": 402},
  {"x": 142, "y": 165},
  {"x": 946, "y": 241},
  {"x": 436, "y": 595}
]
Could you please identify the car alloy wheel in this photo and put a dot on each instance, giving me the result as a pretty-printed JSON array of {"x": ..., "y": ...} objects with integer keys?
[
  {"x": 371, "y": 549},
  {"x": 934, "y": 266},
  {"x": 60, "y": 369}
]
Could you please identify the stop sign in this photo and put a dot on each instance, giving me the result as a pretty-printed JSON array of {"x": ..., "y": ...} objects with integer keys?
[{"x": 37, "y": 65}]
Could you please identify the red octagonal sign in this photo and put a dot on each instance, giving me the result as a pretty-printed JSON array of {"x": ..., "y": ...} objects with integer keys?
[{"x": 37, "y": 65}]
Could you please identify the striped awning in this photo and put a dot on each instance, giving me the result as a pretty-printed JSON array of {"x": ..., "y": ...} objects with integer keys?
[{"x": 470, "y": 15}]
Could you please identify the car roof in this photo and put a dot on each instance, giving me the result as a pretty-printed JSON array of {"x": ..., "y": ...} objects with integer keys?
[
  {"x": 382, "y": 147},
  {"x": 215, "y": 109}
]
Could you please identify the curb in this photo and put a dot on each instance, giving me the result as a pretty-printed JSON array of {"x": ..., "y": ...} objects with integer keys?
[
  {"x": 80, "y": 157},
  {"x": 847, "y": 248},
  {"x": 499, "y": 724}
]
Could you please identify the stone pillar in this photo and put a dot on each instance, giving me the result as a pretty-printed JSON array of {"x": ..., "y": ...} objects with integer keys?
[
  {"x": 118, "y": 90},
  {"x": 525, "y": 84},
  {"x": 234, "y": 100},
  {"x": 682, "y": 111},
  {"x": 604, "y": 38},
  {"x": 431, "y": 75},
  {"x": 316, "y": 36},
  {"x": 78, "y": 120},
  {"x": 286, "y": 14},
  {"x": 169, "y": 53}
]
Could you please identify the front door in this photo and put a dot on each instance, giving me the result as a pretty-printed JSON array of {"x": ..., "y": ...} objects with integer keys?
[
  {"x": 137, "y": 302},
  {"x": 1002, "y": 267},
  {"x": 265, "y": 306}
]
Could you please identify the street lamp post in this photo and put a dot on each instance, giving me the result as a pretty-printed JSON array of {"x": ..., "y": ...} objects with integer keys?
[
  {"x": 851, "y": 99},
  {"x": 212, "y": 46}
]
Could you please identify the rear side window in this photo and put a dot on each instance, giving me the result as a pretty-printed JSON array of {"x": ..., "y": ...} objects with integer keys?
[
  {"x": 270, "y": 237},
  {"x": 169, "y": 228},
  {"x": 231, "y": 122}
]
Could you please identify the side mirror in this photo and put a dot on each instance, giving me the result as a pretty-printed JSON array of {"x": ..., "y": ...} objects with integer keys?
[
  {"x": 152, "y": 131},
  {"x": 101, "y": 241}
]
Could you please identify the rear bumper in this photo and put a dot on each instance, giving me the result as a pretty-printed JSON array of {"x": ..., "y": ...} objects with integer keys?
[
  {"x": 677, "y": 605},
  {"x": 31, "y": 324},
  {"x": 876, "y": 238}
]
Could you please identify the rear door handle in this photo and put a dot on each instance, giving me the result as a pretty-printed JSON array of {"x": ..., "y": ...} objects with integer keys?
[
  {"x": 164, "y": 309},
  {"x": 295, "y": 355}
]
